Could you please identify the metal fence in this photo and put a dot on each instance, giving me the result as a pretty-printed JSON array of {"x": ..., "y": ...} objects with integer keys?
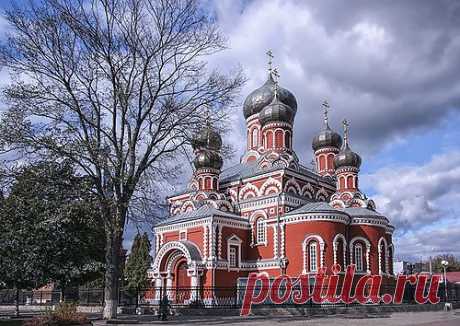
[{"x": 203, "y": 297}]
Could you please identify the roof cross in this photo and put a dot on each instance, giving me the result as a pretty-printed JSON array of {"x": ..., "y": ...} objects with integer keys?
[
  {"x": 345, "y": 131},
  {"x": 276, "y": 76},
  {"x": 326, "y": 107},
  {"x": 270, "y": 60}
]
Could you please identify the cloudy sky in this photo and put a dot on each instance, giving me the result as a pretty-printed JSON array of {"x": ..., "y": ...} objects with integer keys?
[{"x": 392, "y": 69}]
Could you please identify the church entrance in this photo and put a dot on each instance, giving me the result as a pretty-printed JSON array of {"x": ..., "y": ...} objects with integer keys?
[{"x": 183, "y": 282}]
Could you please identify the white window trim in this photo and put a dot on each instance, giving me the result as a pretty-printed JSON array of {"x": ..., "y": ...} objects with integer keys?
[
  {"x": 234, "y": 241},
  {"x": 359, "y": 261},
  {"x": 313, "y": 247},
  {"x": 264, "y": 223},
  {"x": 183, "y": 232}
]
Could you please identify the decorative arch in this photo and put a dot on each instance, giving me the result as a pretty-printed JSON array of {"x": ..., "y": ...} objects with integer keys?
[
  {"x": 188, "y": 206},
  {"x": 308, "y": 191},
  {"x": 253, "y": 219},
  {"x": 270, "y": 183},
  {"x": 384, "y": 253},
  {"x": 292, "y": 184},
  {"x": 306, "y": 241},
  {"x": 188, "y": 249},
  {"x": 248, "y": 188},
  {"x": 368, "y": 251},
  {"x": 321, "y": 194},
  {"x": 340, "y": 236}
]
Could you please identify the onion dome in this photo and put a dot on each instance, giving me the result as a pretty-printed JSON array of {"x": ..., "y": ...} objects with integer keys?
[
  {"x": 276, "y": 111},
  {"x": 263, "y": 96},
  {"x": 208, "y": 159},
  {"x": 207, "y": 138},
  {"x": 346, "y": 157},
  {"x": 326, "y": 137}
]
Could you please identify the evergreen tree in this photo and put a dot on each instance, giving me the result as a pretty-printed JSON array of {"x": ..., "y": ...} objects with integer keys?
[
  {"x": 138, "y": 263},
  {"x": 50, "y": 229}
]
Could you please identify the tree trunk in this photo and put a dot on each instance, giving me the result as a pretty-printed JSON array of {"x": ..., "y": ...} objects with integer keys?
[{"x": 112, "y": 257}]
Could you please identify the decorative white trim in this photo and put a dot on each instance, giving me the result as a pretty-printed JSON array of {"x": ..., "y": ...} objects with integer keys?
[
  {"x": 234, "y": 241},
  {"x": 385, "y": 254},
  {"x": 368, "y": 250},
  {"x": 205, "y": 242},
  {"x": 172, "y": 245},
  {"x": 292, "y": 183},
  {"x": 268, "y": 184},
  {"x": 334, "y": 245},
  {"x": 219, "y": 242},
  {"x": 305, "y": 242}
]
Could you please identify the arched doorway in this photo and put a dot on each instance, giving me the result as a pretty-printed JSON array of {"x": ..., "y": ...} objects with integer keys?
[
  {"x": 178, "y": 268},
  {"x": 182, "y": 282}
]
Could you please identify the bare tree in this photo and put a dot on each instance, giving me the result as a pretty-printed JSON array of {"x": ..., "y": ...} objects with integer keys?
[{"x": 117, "y": 87}]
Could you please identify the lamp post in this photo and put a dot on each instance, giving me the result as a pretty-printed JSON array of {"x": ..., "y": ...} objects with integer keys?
[{"x": 444, "y": 264}]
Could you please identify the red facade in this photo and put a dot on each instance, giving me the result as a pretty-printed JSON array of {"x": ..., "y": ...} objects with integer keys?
[{"x": 270, "y": 213}]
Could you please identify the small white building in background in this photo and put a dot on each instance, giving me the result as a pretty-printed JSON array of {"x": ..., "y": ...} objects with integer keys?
[{"x": 400, "y": 267}]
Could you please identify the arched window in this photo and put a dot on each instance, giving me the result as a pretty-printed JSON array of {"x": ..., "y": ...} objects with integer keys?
[
  {"x": 279, "y": 137},
  {"x": 255, "y": 137},
  {"x": 287, "y": 139},
  {"x": 342, "y": 183},
  {"x": 322, "y": 163},
  {"x": 269, "y": 138},
  {"x": 359, "y": 257},
  {"x": 207, "y": 183},
  {"x": 261, "y": 231},
  {"x": 350, "y": 182},
  {"x": 330, "y": 161},
  {"x": 383, "y": 258},
  {"x": 312, "y": 250}
]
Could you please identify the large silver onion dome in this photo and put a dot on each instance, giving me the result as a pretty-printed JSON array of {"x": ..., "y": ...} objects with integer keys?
[
  {"x": 346, "y": 157},
  {"x": 208, "y": 159},
  {"x": 263, "y": 96},
  {"x": 326, "y": 138},
  {"x": 276, "y": 111},
  {"x": 207, "y": 138}
]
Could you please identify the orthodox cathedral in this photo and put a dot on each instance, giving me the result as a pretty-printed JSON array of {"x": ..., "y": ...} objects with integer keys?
[{"x": 270, "y": 213}]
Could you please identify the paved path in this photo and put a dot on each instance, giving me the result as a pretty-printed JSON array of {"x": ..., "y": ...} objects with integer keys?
[{"x": 435, "y": 318}]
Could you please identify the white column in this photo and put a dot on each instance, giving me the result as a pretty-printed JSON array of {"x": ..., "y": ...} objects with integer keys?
[
  {"x": 158, "y": 286},
  {"x": 275, "y": 241},
  {"x": 368, "y": 251},
  {"x": 169, "y": 286},
  {"x": 219, "y": 243},
  {"x": 195, "y": 285},
  {"x": 334, "y": 245}
]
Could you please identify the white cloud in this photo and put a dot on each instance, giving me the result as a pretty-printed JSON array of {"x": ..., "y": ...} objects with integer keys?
[
  {"x": 386, "y": 74},
  {"x": 421, "y": 201}
]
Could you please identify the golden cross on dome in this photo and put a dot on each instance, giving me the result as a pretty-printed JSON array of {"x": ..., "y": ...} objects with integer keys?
[
  {"x": 326, "y": 107},
  {"x": 270, "y": 60},
  {"x": 345, "y": 131},
  {"x": 277, "y": 76}
]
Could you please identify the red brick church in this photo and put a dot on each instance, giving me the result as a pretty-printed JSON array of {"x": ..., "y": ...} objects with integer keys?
[{"x": 270, "y": 213}]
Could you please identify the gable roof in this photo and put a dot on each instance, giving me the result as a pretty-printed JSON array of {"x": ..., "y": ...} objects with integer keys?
[
  {"x": 314, "y": 207},
  {"x": 201, "y": 212}
]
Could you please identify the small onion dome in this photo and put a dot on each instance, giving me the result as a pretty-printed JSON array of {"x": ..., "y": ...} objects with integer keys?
[
  {"x": 276, "y": 111},
  {"x": 263, "y": 96},
  {"x": 326, "y": 138},
  {"x": 346, "y": 157},
  {"x": 207, "y": 138},
  {"x": 208, "y": 159}
]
